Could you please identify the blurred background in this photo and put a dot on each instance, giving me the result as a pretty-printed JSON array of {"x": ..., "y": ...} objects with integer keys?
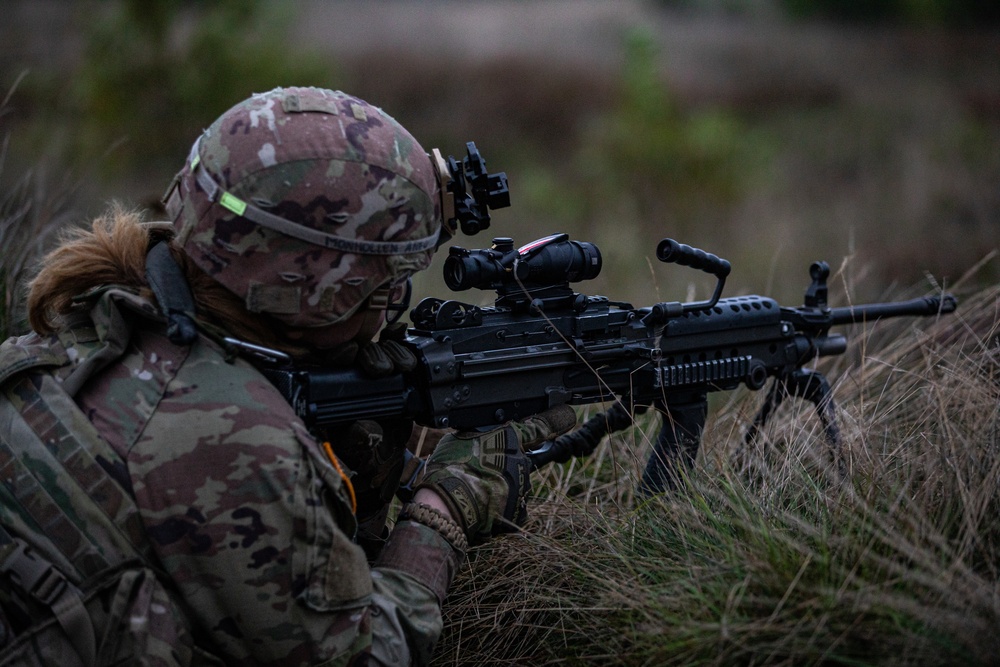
[{"x": 770, "y": 132}]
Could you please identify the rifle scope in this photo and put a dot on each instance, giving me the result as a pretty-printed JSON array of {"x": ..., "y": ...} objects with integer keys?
[{"x": 553, "y": 260}]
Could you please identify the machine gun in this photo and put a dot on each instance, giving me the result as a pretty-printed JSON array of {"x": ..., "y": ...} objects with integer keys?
[{"x": 542, "y": 344}]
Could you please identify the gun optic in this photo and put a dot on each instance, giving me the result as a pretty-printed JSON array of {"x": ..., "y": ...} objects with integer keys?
[{"x": 553, "y": 260}]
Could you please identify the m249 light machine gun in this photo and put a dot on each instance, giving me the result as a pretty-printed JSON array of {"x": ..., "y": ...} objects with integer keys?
[{"x": 542, "y": 344}]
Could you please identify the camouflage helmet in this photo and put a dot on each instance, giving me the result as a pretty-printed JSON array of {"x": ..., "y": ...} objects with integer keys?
[{"x": 305, "y": 202}]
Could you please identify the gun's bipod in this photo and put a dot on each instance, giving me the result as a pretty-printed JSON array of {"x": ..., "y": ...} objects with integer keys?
[{"x": 809, "y": 385}]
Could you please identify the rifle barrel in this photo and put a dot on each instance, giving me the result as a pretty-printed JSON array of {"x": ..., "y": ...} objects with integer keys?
[{"x": 930, "y": 305}]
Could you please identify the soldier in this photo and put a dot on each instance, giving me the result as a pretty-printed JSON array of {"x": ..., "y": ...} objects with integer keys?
[{"x": 161, "y": 503}]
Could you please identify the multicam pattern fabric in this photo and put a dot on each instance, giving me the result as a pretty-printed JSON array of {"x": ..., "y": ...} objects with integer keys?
[
  {"x": 245, "y": 519},
  {"x": 284, "y": 152}
]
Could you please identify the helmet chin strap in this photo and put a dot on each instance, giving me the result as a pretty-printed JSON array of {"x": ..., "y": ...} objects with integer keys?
[
  {"x": 372, "y": 321},
  {"x": 173, "y": 294},
  {"x": 358, "y": 328}
]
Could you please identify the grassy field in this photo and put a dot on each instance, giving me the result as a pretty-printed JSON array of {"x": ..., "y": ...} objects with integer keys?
[{"x": 770, "y": 143}]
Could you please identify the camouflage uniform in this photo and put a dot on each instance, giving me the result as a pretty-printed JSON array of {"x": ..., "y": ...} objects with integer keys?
[
  {"x": 228, "y": 530},
  {"x": 241, "y": 510}
]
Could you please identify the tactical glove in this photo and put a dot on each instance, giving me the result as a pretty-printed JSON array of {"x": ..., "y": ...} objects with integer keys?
[
  {"x": 386, "y": 355},
  {"x": 375, "y": 358},
  {"x": 483, "y": 477}
]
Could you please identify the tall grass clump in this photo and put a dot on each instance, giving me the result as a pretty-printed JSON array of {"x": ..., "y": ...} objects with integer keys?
[
  {"x": 768, "y": 555},
  {"x": 31, "y": 211}
]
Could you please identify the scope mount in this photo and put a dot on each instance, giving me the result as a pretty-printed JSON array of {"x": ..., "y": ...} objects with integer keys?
[
  {"x": 489, "y": 191},
  {"x": 534, "y": 297}
]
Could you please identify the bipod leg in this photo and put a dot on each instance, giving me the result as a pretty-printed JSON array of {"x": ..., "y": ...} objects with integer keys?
[
  {"x": 812, "y": 386},
  {"x": 683, "y": 421},
  {"x": 775, "y": 396}
]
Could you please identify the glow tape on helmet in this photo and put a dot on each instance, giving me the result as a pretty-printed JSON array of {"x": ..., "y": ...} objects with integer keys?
[{"x": 233, "y": 203}]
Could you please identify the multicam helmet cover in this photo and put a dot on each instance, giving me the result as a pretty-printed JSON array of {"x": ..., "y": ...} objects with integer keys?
[{"x": 303, "y": 202}]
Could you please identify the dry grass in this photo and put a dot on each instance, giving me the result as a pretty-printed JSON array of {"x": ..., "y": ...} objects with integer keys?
[{"x": 32, "y": 211}]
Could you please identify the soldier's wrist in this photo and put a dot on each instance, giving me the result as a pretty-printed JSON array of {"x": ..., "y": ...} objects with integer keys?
[
  {"x": 431, "y": 498},
  {"x": 440, "y": 520},
  {"x": 434, "y": 496}
]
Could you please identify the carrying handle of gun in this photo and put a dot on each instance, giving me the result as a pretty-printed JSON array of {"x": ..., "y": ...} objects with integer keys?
[{"x": 672, "y": 252}]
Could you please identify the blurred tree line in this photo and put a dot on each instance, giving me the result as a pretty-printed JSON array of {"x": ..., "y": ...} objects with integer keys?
[
  {"x": 157, "y": 71},
  {"x": 943, "y": 13}
]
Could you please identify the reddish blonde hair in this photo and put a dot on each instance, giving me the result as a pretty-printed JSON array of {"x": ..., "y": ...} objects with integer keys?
[{"x": 113, "y": 252}]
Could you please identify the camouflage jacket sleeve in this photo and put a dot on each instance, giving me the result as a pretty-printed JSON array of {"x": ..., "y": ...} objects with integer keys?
[{"x": 251, "y": 522}]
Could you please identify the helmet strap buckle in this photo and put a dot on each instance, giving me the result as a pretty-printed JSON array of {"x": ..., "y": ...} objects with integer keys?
[
  {"x": 393, "y": 298},
  {"x": 172, "y": 199},
  {"x": 379, "y": 299}
]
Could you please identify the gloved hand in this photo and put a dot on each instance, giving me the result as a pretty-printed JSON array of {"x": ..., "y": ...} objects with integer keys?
[
  {"x": 387, "y": 355},
  {"x": 373, "y": 450},
  {"x": 483, "y": 477}
]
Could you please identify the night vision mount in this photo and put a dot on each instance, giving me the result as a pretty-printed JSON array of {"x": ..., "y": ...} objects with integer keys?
[{"x": 489, "y": 191}]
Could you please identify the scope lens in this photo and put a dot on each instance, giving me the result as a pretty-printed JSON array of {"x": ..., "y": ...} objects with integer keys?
[{"x": 455, "y": 274}]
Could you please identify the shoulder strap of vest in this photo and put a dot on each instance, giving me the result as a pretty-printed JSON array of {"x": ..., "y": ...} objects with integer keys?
[
  {"x": 68, "y": 521},
  {"x": 26, "y": 352},
  {"x": 63, "y": 481}
]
